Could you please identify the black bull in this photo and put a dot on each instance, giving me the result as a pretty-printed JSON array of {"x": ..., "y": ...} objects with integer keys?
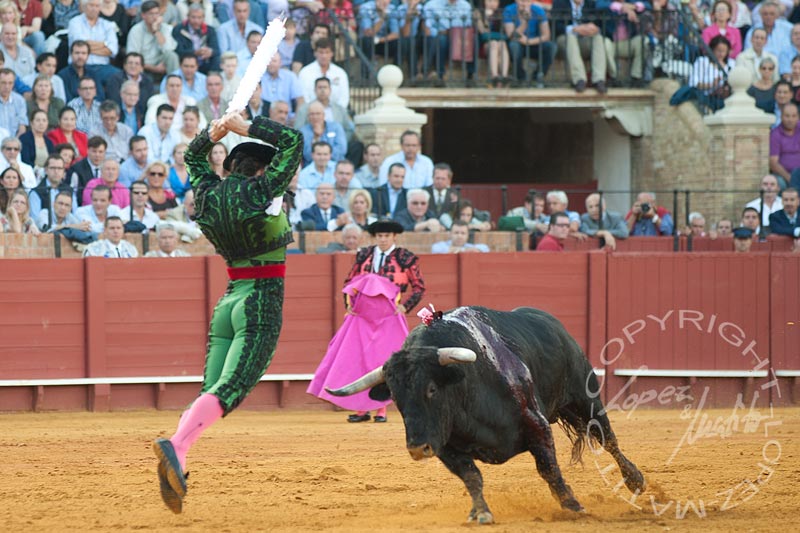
[{"x": 517, "y": 372}]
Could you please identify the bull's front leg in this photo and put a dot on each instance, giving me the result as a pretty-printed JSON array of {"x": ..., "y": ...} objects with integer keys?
[
  {"x": 540, "y": 442},
  {"x": 464, "y": 467}
]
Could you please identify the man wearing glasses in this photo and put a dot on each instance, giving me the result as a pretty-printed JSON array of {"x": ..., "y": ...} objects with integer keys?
[
  {"x": 556, "y": 234},
  {"x": 139, "y": 210},
  {"x": 43, "y": 196},
  {"x": 10, "y": 158}
]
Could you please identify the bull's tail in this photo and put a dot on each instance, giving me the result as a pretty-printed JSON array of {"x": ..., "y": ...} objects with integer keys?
[{"x": 577, "y": 432}]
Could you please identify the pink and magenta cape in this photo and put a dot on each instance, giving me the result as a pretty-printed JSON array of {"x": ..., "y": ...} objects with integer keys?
[{"x": 363, "y": 343}]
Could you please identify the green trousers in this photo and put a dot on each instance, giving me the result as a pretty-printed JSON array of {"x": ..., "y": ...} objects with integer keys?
[{"x": 242, "y": 338}]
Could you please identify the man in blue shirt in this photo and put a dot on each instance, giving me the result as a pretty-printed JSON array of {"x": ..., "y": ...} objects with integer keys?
[
  {"x": 528, "y": 33},
  {"x": 379, "y": 31},
  {"x": 443, "y": 18},
  {"x": 321, "y": 169},
  {"x": 194, "y": 82}
]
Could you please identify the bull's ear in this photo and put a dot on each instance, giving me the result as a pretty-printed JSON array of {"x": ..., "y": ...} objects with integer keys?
[{"x": 380, "y": 393}]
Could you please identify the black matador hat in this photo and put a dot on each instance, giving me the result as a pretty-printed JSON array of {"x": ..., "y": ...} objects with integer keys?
[
  {"x": 263, "y": 153},
  {"x": 385, "y": 225}
]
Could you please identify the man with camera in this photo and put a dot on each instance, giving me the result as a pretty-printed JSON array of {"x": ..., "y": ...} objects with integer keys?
[{"x": 646, "y": 219}]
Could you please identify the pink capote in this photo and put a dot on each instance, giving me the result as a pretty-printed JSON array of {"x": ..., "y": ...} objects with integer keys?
[{"x": 363, "y": 343}]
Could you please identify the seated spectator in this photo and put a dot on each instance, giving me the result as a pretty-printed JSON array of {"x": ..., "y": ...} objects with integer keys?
[
  {"x": 359, "y": 207},
  {"x": 133, "y": 71},
  {"x": 321, "y": 169},
  {"x": 42, "y": 98},
  {"x": 17, "y": 217},
  {"x": 230, "y": 79},
  {"x": 32, "y": 15},
  {"x": 318, "y": 129},
  {"x": 785, "y": 222},
  {"x": 64, "y": 222},
  {"x": 175, "y": 98},
  {"x": 418, "y": 216},
  {"x": 10, "y": 181},
  {"x": 613, "y": 226},
  {"x": 784, "y": 146},
  {"x": 369, "y": 173},
  {"x": 763, "y": 89},
  {"x": 113, "y": 245},
  {"x": 697, "y": 225},
  {"x": 44, "y": 194},
  {"x": 77, "y": 69},
  {"x": 464, "y": 210},
  {"x": 742, "y": 240},
  {"x": 117, "y": 135},
  {"x": 216, "y": 159},
  {"x": 46, "y": 66},
  {"x": 89, "y": 167},
  {"x": 351, "y": 237},
  {"x": 19, "y": 59},
  {"x": 489, "y": 24},
  {"x": 139, "y": 210},
  {"x": 289, "y": 44},
  {"x": 10, "y": 158},
  {"x": 789, "y": 51},
  {"x": 750, "y": 218},
  {"x": 557, "y": 233},
  {"x": 213, "y": 106},
  {"x": 532, "y": 211},
  {"x": 324, "y": 68},
  {"x": 441, "y": 18},
  {"x": 245, "y": 55},
  {"x": 379, "y": 31},
  {"x": 232, "y": 35},
  {"x": 66, "y": 152},
  {"x": 100, "y": 209},
  {"x": 324, "y": 211},
  {"x": 160, "y": 136},
  {"x": 333, "y": 112},
  {"x": 98, "y": 32},
  {"x": 459, "y": 234},
  {"x": 646, "y": 219},
  {"x": 13, "y": 118},
  {"x": 752, "y": 57},
  {"x": 623, "y": 29},
  {"x": 114, "y": 12},
  {"x": 181, "y": 219},
  {"x": 302, "y": 200},
  {"x": 344, "y": 174},
  {"x": 304, "y": 52},
  {"x": 195, "y": 37},
  {"x": 109, "y": 176},
  {"x": 178, "y": 174},
  {"x": 419, "y": 167},
  {"x": 191, "y": 125},
  {"x": 134, "y": 166},
  {"x": 167, "y": 242},
  {"x": 256, "y": 107},
  {"x": 722, "y": 229},
  {"x": 66, "y": 132},
  {"x": 721, "y": 19},
  {"x": 151, "y": 37},
  {"x": 709, "y": 77},
  {"x": 194, "y": 82},
  {"x": 390, "y": 198},
  {"x": 783, "y": 96},
  {"x": 444, "y": 196},
  {"x": 160, "y": 199},
  {"x": 557, "y": 202},
  {"x": 132, "y": 110},
  {"x": 86, "y": 107},
  {"x": 771, "y": 200},
  {"x": 35, "y": 144},
  {"x": 794, "y": 75},
  {"x": 579, "y": 36}
]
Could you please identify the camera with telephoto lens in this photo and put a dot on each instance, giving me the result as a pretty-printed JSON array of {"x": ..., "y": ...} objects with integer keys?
[{"x": 645, "y": 208}]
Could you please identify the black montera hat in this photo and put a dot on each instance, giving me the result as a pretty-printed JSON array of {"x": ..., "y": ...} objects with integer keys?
[
  {"x": 263, "y": 153},
  {"x": 385, "y": 225}
]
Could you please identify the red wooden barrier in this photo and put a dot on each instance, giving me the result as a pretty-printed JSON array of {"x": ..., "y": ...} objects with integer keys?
[{"x": 785, "y": 314}]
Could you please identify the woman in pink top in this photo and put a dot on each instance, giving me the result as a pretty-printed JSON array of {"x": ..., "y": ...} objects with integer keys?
[{"x": 721, "y": 17}]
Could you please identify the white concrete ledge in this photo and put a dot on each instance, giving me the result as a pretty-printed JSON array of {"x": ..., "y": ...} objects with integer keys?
[
  {"x": 787, "y": 373},
  {"x": 136, "y": 380},
  {"x": 656, "y": 373}
]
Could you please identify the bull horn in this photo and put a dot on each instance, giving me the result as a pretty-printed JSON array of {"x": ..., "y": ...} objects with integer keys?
[
  {"x": 363, "y": 383},
  {"x": 455, "y": 355}
]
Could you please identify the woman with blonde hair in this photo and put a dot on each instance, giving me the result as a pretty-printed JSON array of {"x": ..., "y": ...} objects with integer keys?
[
  {"x": 18, "y": 215},
  {"x": 44, "y": 99},
  {"x": 161, "y": 200},
  {"x": 359, "y": 206}
]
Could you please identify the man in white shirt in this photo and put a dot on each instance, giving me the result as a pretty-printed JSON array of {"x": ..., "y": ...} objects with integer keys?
[
  {"x": 100, "y": 210},
  {"x": 10, "y": 158},
  {"x": 772, "y": 201},
  {"x": 233, "y": 34},
  {"x": 323, "y": 67},
  {"x": 98, "y": 32},
  {"x": 112, "y": 246},
  {"x": 20, "y": 59},
  {"x": 419, "y": 167},
  {"x": 459, "y": 234},
  {"x": 161, "y": 139},
  {"x": 167, "y": 242},
  {"x": 117, "y": 135},
  {"x": 138, "y": 210}
]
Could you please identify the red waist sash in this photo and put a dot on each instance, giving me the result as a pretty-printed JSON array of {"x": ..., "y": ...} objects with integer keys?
[{"x": 257, "y": 272}]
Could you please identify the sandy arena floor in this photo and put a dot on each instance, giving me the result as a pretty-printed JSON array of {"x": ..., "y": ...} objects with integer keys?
[{"x": 311, "y": 471}]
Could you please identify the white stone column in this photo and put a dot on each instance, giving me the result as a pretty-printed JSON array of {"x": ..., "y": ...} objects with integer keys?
[{"x": 384, "y": 123}]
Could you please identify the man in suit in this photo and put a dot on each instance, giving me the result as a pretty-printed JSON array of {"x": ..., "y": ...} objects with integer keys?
[
  {"x": 213, "y": 106},
  {"x": 390, "y": 198},
  {"x": 89, "y": 167},
  {"x": 578, "y": 36},
  {"x": 324, "y": 211},
  {"x": 443, "y": 197},
  {"x": 132, "y": 69},
  {"x": 785, "y": 222}
]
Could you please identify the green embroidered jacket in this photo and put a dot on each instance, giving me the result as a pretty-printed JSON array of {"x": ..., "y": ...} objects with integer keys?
[{"x": 231, "y": 211}]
